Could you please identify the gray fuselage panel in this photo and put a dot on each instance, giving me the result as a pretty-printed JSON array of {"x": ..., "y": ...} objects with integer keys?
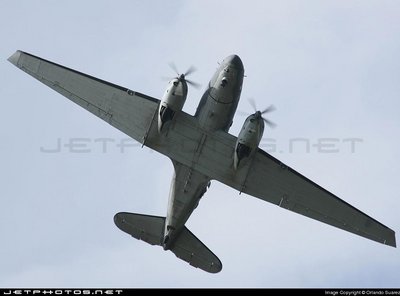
[{"x": 215, "y": 112}]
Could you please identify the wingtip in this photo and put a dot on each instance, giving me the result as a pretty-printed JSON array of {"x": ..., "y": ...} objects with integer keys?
[
  {"x": 14, "y": 58},
  {"x": 216, "y": 267},
  {"x": 119, "y": 220},
  {"x": 392, "y": 241},
  {"x": 392, "y": 245}
]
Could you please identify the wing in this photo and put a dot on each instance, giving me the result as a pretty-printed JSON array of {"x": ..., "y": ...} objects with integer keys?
[
  {"x": 130, "y": 112},
  {"x": 273, "y": 181},
  {"x": 264, "y": 177}
]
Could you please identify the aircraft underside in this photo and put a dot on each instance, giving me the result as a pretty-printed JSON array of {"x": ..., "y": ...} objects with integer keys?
[{"x": 201, "y": 150}]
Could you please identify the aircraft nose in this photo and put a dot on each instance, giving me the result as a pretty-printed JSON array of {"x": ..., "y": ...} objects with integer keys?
[{"x": 234, "y": 61}]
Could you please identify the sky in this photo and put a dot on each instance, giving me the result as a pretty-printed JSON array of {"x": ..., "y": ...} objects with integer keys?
[{"x": 331, "y": 69}]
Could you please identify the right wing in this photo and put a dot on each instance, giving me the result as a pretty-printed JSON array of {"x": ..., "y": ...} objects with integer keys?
[
  {"x": 275, "y": 182},
  {"x": 264, "y": 177},
  {"x": 130, "y": 112}
]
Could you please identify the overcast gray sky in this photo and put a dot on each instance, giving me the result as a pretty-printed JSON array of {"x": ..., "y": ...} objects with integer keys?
[{"x": 330, "y": 67}]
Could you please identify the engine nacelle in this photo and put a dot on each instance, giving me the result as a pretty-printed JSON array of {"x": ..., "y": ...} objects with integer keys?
[
  {"x": 248, "y": 139},
  {"x": 173, "y": 100}
]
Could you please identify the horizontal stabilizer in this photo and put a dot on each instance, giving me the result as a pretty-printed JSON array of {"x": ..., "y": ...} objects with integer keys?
[
  {"x": 144, "y": 227},
  {"x": 190, "y": 249},
  {"x": 185, "y": 246}
]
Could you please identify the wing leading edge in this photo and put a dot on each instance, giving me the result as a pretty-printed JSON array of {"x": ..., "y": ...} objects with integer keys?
[{"x": 130, "y": 112}]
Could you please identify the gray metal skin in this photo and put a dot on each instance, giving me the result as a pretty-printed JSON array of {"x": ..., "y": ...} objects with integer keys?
[
  {"x": 249, "y": 138},
  {"x": 215, "y": 112},
  {"x": 172, "y": 101},
  {"x": 219, "y": 102}
]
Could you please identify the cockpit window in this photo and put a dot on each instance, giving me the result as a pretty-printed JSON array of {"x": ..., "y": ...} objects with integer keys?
[
  {"x": 175, "y": 83},
  {"x": 252, "y": 120}
]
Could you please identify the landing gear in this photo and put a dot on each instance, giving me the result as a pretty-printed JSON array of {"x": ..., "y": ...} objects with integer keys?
[
  {"x": 166, "y": 114},
  {"x": 242, "y": 151}
]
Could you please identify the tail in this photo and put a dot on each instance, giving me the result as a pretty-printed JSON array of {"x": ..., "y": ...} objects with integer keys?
[{"x": 186, "y": 246}]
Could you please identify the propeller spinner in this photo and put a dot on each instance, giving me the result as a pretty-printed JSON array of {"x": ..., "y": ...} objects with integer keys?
[
  {"x": 182, "y": 77},
  {"x": 260, "y": 114}
]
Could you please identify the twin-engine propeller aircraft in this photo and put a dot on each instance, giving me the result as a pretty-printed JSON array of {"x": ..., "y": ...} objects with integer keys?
[{"x": 201, "y": 150}]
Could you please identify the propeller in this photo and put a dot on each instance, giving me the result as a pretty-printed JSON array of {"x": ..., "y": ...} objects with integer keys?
[
  {"x": 182, "y": 76},
  {"x": 269, "y": 109}
]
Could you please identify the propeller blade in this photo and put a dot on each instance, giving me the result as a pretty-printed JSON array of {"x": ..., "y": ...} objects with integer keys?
[
  {"x": 253, "y": 104},
  {"x": 191, "y": 70},
  {"x": 173, "y": 67},
  {"x": 268, "y": 109},
  {"x": 183, "y": 76},
  {"x": 194, "y": 84},
  {"x": 269, "y": 123}
]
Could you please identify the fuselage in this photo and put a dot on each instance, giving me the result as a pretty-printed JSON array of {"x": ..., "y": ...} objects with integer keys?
[
  {"x": 214, "y": 112},
  {"x": 219, "y": 102}
]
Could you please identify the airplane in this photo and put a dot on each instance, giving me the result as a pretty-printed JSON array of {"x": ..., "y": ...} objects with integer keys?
[{"x": 201, "y": 150}]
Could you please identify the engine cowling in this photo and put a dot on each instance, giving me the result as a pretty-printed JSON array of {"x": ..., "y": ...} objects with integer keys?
[
  {"x": 173, "y": 100},
  {"x": 249, "y": 137}
]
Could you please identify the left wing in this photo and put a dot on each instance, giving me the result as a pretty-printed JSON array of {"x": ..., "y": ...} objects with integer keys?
[{"x": 130, "y": 112}]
